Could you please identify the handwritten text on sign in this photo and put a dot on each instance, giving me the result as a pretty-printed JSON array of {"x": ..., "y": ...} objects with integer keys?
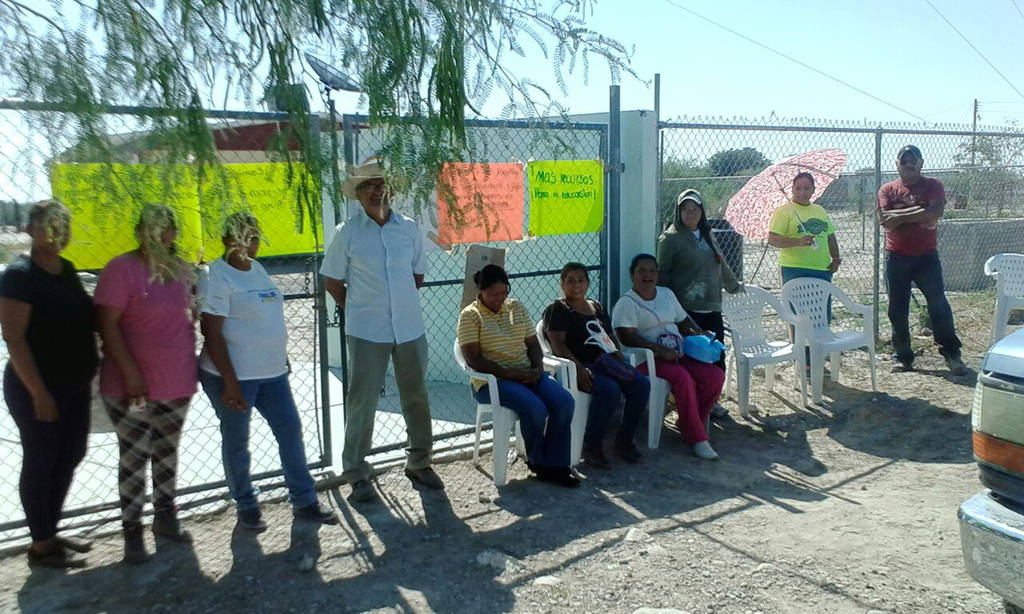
[
  {"x": 479, "y": 202},
  {"x": 566, "y": 196},
  {"x": 105, "y": 201}
]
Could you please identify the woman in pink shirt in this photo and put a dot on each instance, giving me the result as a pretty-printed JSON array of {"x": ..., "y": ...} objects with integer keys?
[{"x": 148, "y": 374}]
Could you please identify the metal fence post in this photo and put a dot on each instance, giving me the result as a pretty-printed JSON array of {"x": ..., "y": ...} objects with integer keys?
[
  {"x": 877, "y": 251},
  {"x": 348, "y": 127},
  {"x": 658, "y": 222},
  {"x": 614, "y": 186},
  {"x": 603, "y": 291},
  {"x": 319, "y": 300}
]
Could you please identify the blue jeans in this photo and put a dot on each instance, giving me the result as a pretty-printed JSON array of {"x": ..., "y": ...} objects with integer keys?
[
  {"x": 604, "y": 397},
  {"x": 272, "y": 397},
  {"x": 925, "y": 270},
  {"x": 545, "y": 417}
]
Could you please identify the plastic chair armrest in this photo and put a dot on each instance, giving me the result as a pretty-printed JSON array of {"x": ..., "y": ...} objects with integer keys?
[
  {"x": 565, "y": 369},
  {"x": 804, "y": 331},
  {"x": 990, "y": 269},
  {"x": 639, "y": 355},
  {"x": 492, "y": 384}
]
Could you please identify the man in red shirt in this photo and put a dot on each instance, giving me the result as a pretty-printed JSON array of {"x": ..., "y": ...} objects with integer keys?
[{"x": 909, "y": 209}]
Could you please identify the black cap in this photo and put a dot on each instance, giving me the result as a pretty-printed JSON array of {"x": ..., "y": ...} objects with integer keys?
[{"x": 911, "y": 149}]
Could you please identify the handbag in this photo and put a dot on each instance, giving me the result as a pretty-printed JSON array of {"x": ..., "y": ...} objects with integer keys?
[{"x": 614, "y": 368}]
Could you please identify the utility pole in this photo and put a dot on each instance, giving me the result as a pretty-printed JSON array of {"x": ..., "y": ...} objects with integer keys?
[
  {"x": 974, "y": 130},
  {"x": 974, "y": 147}
]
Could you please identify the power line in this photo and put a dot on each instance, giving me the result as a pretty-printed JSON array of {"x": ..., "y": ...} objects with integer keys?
[
  {"x": 976, "y": 50},
  {"x": 795, "y": 61},
  {"x": 956, "y": 106},
  {"x": 1014, "y": 3}
]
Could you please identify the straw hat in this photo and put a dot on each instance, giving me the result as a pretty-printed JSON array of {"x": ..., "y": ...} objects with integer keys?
[{"x": 371, "y": 168}]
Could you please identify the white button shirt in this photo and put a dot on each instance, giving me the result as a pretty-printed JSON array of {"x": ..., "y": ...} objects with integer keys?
[{"x": 377, "y": 264}]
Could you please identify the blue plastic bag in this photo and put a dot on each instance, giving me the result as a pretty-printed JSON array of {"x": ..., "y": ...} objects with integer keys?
[{"x": 703, "y": 348}]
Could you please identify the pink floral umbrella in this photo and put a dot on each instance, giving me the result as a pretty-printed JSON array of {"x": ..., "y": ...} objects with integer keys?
[{"x": 751, "y": 209}]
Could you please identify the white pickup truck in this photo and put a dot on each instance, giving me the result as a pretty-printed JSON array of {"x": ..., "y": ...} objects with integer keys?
[{"x": 992, "y": 521}]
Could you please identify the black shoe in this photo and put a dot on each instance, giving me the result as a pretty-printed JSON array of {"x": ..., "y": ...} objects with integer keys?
[
  {"x": 75, "y": 544},
  {"x": 166, "y": 524},
  {"x": 134, "y": 546},
  {"x": 315, "y": 512},
  {"x": 902, "y": 366},
  {"x": 595, "y": 458},
  {"x": 58, "y": 558},
  {"x": 956, "y": 365},
  {"x": 426, "y": 476},
  {"x": 560, "y": 476},
  {"x": 626, "y": 448},
  {"x": 362, "y": 492},
  {"x": 251, "y": 519}
]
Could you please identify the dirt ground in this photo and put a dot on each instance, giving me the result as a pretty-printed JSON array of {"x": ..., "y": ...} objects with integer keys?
[{"x": 848, "y": 506}]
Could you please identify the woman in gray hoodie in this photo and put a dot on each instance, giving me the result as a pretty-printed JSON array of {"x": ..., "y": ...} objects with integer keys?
[{"x": 692, "y": 266}]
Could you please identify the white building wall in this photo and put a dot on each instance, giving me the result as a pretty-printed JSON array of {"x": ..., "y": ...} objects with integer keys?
[{"x": 638, "y": 219}]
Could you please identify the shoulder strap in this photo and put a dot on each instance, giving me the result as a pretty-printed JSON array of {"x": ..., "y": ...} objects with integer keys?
[{"x": 641, "y": 303}]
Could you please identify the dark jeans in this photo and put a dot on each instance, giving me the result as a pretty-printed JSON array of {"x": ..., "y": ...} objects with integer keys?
[
  {"x": 712, "y": 321},
  {"x": 50, "y": 450},
  {"x": 924, "y": 270},
  {"x": 604, "y": 398},
  {"x": 545, "y": 417}
]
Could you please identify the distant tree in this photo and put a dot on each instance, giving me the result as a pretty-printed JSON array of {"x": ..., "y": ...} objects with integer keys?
[
  {"x": 988, "y": 177},
  {"x": 737, "y": 162},
  {"x": 678, "y": 174}
]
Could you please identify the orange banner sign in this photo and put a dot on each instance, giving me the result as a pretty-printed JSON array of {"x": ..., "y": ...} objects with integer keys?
[{"x": 479, "y": 202}]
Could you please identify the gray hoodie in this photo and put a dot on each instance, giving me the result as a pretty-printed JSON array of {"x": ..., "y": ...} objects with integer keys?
[{"x": 692, "y": 269}]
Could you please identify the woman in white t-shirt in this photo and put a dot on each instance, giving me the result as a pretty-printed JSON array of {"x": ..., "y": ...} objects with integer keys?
[
  {"x": 244, "y": 364},
  {"x": 651, "y": 317}
]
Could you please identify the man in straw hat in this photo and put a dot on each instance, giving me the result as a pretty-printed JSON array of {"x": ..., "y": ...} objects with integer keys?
[{"x": 373, "y": 268}]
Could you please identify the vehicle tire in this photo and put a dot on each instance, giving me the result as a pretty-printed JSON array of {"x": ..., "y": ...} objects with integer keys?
[{"x": 1012, "y": 609}]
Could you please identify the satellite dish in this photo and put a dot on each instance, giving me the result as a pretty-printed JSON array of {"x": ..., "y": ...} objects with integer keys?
[{"x": 332, "y": 77}]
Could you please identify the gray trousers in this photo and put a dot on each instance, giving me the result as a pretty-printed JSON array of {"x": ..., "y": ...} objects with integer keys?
[{"x": 368, "y": 364}]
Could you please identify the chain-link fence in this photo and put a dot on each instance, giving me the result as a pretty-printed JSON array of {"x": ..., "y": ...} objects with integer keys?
[
  {"x": 105, "y": 193},
  {"x": 533, "y": 263},
  {"x": 41, "y": 157},
  {"x": 981, "y": 172}
]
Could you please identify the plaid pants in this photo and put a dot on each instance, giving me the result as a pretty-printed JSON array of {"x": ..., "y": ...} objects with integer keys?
[{"x": 147, "y": 436}]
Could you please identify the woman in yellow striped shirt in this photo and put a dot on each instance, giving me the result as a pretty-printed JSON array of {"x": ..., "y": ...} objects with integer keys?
[{"x": 497, "y": 336}]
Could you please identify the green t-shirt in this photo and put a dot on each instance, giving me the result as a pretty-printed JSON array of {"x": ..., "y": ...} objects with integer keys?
[{"x": 793, "y": 220}]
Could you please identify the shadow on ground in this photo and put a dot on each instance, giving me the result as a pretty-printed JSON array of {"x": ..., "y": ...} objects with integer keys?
[{"x": 473, "y": 548}]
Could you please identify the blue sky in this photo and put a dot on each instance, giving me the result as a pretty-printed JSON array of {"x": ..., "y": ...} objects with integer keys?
[{"x": 902, "y": 52}]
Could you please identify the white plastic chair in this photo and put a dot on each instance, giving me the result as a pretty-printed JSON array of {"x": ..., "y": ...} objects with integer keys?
[
  {"x": 566, "y": 376},
  {"x": 658, "y": 395},
  {"x": 1008, "y": 269},
  {"x": 744, "y": 312},
  {"x": 808, "y": 298},
  {"x": 503, "y": 420}
]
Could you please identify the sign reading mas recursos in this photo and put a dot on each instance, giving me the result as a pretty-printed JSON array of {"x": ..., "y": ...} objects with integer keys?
[{"x": 566, "y": 196}]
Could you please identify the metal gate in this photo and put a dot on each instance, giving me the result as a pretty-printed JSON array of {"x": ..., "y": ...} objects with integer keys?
[
  {"x": 533, "y": 264},
  {"x": 34, "y": 139}
]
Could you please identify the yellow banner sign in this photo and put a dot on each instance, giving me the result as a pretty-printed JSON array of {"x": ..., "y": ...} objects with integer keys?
[
  {"x": 566, "y": 196},
  {"x": 105, "y": 201}
]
